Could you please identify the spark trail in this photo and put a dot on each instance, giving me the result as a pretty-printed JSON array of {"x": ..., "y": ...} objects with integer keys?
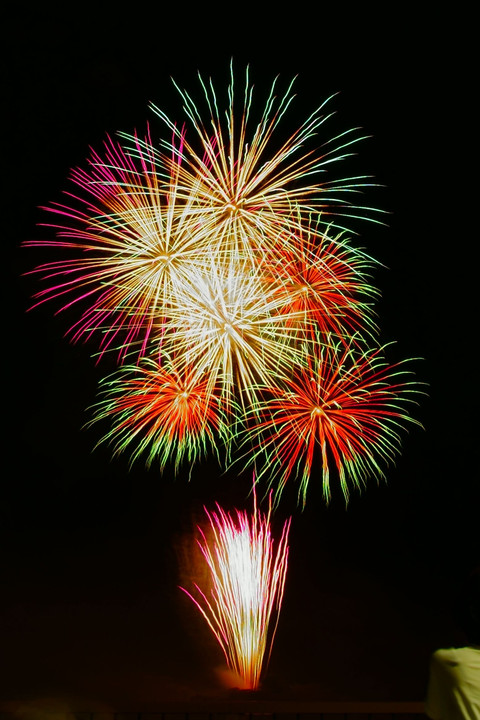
[{"x": 247, "y": 574}]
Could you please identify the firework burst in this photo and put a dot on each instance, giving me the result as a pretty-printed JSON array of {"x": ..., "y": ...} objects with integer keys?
[
  {"x": 133, "y": 248},
  {"x": 242, "y": 185},
  {"x": 247, "y": 574},
  {"x": 347, "y": 406},
  {"x": 324, "y": 282},
  {"x": 216, "y": 264},
  {"x": 167, "y": 414},
  {"x": 234, "y": 327}
]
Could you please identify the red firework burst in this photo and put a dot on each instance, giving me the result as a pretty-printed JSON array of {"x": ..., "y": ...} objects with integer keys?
[
  {"x": 166, "y": 414},
  {"x": 346, "y": 405},
  {"x": 323, "y": 282}
]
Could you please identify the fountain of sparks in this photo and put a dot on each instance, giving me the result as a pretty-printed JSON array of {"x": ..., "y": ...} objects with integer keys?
[{"x": 247, "y": 574}]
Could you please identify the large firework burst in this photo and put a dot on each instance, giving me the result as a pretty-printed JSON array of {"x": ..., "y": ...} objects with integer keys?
[
  {"x": 218, "y": 264},
  {"x": 240, "y": 177},
  {"x": 234, "y": 327}
]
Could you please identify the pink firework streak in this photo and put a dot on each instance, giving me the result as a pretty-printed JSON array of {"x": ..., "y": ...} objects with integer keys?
[
  {"x": 247, "y": 584},
  {"x": 133, "y": 254}
]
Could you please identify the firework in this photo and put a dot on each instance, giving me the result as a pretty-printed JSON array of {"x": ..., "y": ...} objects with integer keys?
[
  {"x": 347, "y": 406},
  {"x": 244, "y": 177},
  {"x": 132, "y": 248},
  {"x": 233, "y": 325},
  {"x": 247, "y": 575},
  {"x": 324, "y": 282},
  {"x": 217, "y": 264},
  {"x": 143, "y": 220},
  {"x": 167, "y": 414}
]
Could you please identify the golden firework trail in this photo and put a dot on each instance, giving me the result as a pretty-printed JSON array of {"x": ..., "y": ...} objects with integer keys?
[{"x": 247, "y": 580}]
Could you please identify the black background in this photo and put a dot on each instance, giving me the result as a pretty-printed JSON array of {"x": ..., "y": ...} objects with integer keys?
[{"x": 91, "y": 553}]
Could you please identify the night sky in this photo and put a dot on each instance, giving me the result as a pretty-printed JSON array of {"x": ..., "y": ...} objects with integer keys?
[{"x": 91, "y": 552}]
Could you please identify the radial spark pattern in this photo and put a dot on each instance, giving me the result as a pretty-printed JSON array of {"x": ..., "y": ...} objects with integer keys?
[
  {"x": 131, "y": 244},
  {"x": 345, "y": 409},
  {"x": 324, "y": 283},
  {"x": 170, "y": 415},
  {"x": 219, "y": 264}
]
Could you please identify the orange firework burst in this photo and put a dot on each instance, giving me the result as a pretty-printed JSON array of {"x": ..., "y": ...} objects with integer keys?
[
  {"x": 168, "y": 414},
  {"x": 323, "y": 282},
  {"x": 247, "y": 575}
]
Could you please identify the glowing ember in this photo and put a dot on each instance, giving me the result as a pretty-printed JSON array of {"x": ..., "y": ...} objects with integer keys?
[{"x": 247, "y": 575}]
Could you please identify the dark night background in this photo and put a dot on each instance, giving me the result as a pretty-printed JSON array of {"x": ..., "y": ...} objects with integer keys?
[{"x": 90, "y": 552}]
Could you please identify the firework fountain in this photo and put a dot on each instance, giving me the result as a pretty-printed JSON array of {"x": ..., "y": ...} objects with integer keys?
[{"x": 247, "y": 580}]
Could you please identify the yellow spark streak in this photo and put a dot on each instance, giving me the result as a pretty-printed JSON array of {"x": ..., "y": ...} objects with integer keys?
[{"x": 247, "y": 586}]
